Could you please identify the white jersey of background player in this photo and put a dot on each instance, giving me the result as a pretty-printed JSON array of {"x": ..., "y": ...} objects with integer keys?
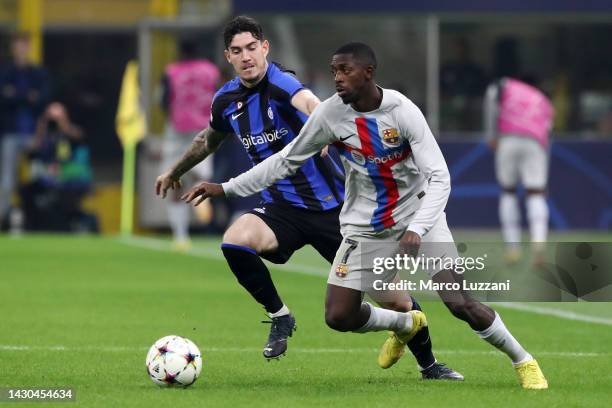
[
  {"x": 518, "y": 118},
  {"x": 397, "y": 185}
]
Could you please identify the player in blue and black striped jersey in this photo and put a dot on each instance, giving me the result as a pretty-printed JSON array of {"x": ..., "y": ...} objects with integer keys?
[
  {"x": 265, "y": 106},
  {"x": 265, "y": 120}
]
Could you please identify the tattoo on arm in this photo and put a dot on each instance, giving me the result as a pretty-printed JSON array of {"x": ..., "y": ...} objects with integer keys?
[{"x": 204, "y": 143}]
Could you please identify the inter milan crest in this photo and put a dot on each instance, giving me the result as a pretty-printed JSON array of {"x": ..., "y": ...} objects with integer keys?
[{"x": 391, "y": 136}]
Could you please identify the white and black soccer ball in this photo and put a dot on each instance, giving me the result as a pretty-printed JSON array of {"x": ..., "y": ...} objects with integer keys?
[{"x": 174, "y": 361}]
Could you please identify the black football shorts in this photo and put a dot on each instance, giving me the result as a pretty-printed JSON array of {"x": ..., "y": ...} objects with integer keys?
[{"x": 295, "y": 227}]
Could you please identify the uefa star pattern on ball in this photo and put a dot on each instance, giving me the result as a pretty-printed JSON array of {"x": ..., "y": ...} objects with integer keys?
[{"x": 174, "y": 361}]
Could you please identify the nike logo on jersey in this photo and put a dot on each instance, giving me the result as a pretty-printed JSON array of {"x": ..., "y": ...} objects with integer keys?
[
  {"x": 342, "y": 139},
  {"x": 235, "y": 115}
]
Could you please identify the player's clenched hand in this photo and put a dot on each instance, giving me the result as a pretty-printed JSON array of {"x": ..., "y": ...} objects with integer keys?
[
  {"x": 166, "y": 181},
  {"x": 410, "y": 243},
  {"x": 203, "y": 190}
]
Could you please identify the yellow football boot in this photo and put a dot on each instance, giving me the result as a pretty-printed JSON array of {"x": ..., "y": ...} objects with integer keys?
[
  {"x": 512, "y": 256},
  {"x": 395, "y": 346},
  {"x": 183, "y": 245},
  {"x": 530, "y": 376}
]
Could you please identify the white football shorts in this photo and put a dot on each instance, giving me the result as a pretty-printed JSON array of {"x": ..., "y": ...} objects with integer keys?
[
  {"x": 521, "y": 160},
  {"x": 353, "y": 266}
]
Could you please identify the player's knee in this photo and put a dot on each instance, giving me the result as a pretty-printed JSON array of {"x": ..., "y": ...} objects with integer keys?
[
  {"x": 244, "y": 238},
  {"x": 251, "y": 232}
]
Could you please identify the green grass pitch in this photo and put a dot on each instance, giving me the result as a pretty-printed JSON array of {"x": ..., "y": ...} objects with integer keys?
[{"x": 82, "y": 312}]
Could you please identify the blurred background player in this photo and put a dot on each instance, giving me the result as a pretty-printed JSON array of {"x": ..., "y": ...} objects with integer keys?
[
  {"x": 266, "y": 107},
  {"x": 188, "y": 87},
  {"x": 518, "y": 118},
  {"x": 24, "y": 92}
]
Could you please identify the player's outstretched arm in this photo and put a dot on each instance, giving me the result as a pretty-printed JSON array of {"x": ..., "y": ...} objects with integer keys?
[
  {"x": 274, "y": 168},
  {"x": 305, "y": 101},
  {"x": 312, "y": 138},
  {"x": 204, "y": 143}
]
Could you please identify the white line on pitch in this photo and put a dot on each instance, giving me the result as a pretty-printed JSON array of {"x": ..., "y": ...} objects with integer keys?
[
  {"x": 563, "y": 314},
  {"x": 120, "y": 349}
]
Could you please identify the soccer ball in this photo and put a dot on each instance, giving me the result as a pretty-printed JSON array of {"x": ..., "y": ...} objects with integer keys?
[{"x": 174, "y": 361}]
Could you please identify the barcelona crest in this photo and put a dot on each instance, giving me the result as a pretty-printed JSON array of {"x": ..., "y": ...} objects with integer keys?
[
  {"x": 341, "y": 270},
  {"x": 391, "y": 136}
]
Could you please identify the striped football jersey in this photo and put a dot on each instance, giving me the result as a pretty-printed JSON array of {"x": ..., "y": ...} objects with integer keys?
[
  {"x": 265, "y": 121},
  {"x": 393, "y": 164}
]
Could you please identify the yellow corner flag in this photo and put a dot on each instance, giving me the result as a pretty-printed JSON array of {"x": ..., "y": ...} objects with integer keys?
[
  {"x": 131, "y": 128},
  {"x": 130, "y": 121}
]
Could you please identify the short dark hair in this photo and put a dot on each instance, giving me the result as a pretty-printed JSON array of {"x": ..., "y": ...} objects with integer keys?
[
  {"x": 360, "y": 51},
  {"x": 241, "y": 24}
]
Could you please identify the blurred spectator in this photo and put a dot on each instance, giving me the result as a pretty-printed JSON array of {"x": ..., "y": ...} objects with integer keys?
[
  {"x": 23, "y": 95},
  {"x": 60, "y": 176},
  {"x": 462, "y": 83},
  {"x": 188, "y": 89}
]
